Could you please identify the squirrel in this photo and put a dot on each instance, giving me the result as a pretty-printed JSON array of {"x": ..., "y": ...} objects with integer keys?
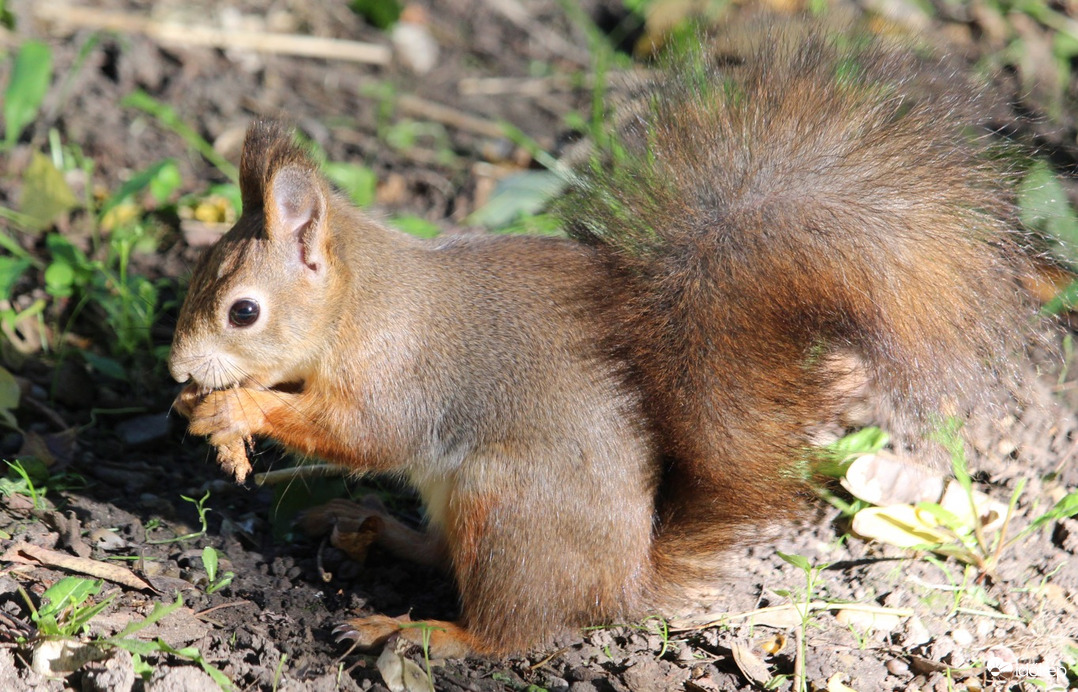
[{"x": 592, "y": 420}]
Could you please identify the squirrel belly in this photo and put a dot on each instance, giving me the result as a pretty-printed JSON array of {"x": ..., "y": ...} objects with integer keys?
[{"x": 592, "y": 421}]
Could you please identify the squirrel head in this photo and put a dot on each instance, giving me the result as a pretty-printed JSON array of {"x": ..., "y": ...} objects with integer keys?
[{"x": 260, "y": 297}]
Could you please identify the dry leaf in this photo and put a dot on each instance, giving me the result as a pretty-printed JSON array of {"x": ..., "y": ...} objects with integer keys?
[
  {"x": 63, "y": 656},
  {"x": 773, "y": 644},
  {"x": 27, "y": 554},
  {"x": 402, "y": 674},
  {"x": 885, "y": 479},
  {"x": 749, "y": 664},
  {"x": 835, "y": 684},
  {"x": 864, "y": 620},
  {"x": 902, "y": 525},
  {"x": 990, "y": 513}
]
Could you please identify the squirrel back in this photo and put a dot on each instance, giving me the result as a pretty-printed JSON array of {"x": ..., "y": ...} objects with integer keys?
[{"x": 788, "y": 227}]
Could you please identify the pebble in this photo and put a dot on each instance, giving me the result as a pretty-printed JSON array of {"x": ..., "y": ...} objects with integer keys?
[
  {"x": 941, "y": 648},
  {"x": 144, "y": 429},
  {"x": 556, "y": 683},
  {"x": 413, "y": 43},
  {"x": 897, "y": 666},
  {"x": 962, "y": 637},
  {"x": 915, "y": 634}
]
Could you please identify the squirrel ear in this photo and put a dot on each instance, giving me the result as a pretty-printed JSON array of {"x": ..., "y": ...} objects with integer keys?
[{"x": 295, "y": 208}]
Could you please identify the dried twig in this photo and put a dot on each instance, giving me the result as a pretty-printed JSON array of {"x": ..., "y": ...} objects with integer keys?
[
  {"x": 298, "y": 472},
  {"x": 193, "y": 35},
  {"x": 418, "y": 107}
]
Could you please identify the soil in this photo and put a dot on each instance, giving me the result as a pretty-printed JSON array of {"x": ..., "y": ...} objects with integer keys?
[{"x": 123, "y": 469}]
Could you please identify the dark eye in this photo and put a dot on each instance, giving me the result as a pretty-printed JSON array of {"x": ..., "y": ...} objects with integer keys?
[{"x": 243, "y": 313}]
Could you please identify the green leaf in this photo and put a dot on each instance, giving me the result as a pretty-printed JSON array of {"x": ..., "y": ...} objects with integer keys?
[
  {"x": 944, "y": 516},
  {"x": 195, "y": 655},
  {"x": 380, "y": 13},
  {"x": 1065, "y": 300},
  {"x": 162, "y": 178},
  {"x": 82, "y": 616},
  {"x": 414, "y": 225},
  {"x": 60, "y": 280},
  {"x": 143, "y": 669},
  {"x": 1065, "y": 508},
  {"x": 1043, "y": 206},
  {"x": 358, "y": 182},
  {"x": 63, "y": 250},
  {"x": 160, "y": 610},
  {"x": 106, "y": 366},
  {"x": 209, "y": 561},
  {"x": 7, "y": 17},
  {"x": 796, "y": 560},
  {"x": 518, "y": 195},
  {"x": 45, "y": 194},
  {"x": 30, "y": 79},
  {"x": 167, "y": 180},
  {"x": 69, "y": 591},
  {"x": 138, "y": 647},
  {"x": 11, "y": 269},
  {"x": 9, "y": 391}
]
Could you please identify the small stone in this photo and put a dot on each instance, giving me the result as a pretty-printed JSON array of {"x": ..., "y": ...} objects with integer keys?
[
  {"x": 556, "y": 683},
  {"x": 897, "y": 666},
  {"x": 915, "y": 633},
  {"x": 942, "y": 648},
  {"x": 143, "y": 430},
  {"x": 962, "y": 638}
]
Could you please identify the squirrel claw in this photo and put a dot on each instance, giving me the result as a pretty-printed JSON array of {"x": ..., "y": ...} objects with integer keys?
[
  {"x": 344, "y": 632},
  {"x": 369, "y": 632}
]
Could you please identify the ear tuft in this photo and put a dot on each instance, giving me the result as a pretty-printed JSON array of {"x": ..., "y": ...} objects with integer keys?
[{"x": 268, "y": 147}]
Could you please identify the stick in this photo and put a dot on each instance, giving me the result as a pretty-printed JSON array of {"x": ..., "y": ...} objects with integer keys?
[
  {"x": 418, "y": 107},
  {"x": 190, "y": 35},
  {"x": 298, "y": 472}
]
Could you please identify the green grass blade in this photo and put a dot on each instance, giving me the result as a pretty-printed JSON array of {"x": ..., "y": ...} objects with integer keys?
[{"x": 170, "y": 119}]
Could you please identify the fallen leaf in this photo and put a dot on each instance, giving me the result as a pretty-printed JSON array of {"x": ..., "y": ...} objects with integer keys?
[
  {"x": 835, "y": 684},
  {"x": 63, "y": 656},
  {"x": 28, "y": 554},
  {"x": 754, "y": 669},
  {"x": 864, "y": 620},
  {"x": 402, "y": 674},
  {"x": 886, "y": 479},
  {"x": 902, "y": 525}
]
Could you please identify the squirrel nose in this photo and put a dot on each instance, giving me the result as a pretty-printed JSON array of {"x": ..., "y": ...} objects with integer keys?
[{"x": 178, "y": 373}]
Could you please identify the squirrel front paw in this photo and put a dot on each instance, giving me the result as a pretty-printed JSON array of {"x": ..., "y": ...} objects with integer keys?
[{"x": 227, "y": 416}]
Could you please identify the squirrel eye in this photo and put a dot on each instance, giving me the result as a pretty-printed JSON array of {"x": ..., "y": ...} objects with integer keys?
[{"x": 243, "y": 313}]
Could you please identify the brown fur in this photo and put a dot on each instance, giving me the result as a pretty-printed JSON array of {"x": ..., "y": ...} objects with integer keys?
[{"x": 591, "y": 423}]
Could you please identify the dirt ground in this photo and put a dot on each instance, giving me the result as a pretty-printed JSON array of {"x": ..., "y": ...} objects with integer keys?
[{"x": 127, "y": 466}]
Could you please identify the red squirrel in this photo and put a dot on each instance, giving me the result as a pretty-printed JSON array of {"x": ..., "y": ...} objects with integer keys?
[{"x": 591, "y": 421}]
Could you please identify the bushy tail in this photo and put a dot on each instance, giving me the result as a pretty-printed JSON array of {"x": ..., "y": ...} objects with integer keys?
[{"x": 781, "y": 218}]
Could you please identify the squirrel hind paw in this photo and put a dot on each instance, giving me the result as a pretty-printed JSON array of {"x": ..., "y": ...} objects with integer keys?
[{"x": 440, "y": 638}]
